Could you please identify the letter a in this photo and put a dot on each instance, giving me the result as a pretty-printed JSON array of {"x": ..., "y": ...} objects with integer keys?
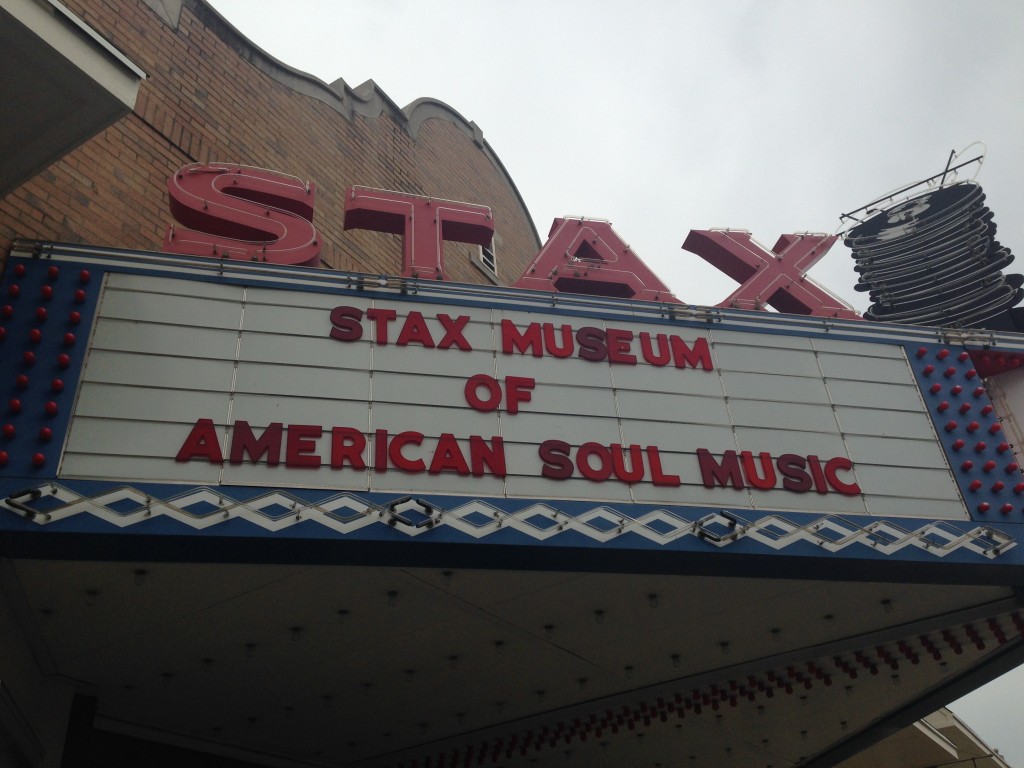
[
  {"x": 201, "y": 443},
  {"x": 587, "y": 256}
]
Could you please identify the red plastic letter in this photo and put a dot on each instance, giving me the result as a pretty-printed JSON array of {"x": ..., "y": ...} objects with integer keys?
[
  {"x": 424, "y": 223},
  {"x": 201, "y": 443},
  {"x": 777, "y": 277},
  {"x": 242, "y": 213},
  {"x": 587, "y": 256}
]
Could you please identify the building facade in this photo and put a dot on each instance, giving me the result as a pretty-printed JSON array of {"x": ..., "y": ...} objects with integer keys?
[{"x": 526, "y": 509}]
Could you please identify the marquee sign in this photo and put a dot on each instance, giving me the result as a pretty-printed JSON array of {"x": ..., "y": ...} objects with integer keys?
[{"x": 208, "y": 392}]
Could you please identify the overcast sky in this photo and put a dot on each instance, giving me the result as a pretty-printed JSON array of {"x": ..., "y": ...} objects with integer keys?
[{"x": 663, "y": 117}]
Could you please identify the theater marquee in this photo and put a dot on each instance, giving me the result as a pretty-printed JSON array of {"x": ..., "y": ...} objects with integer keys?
[{"x": 277, "y": 394}]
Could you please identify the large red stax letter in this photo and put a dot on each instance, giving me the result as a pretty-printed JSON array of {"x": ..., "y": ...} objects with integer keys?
[
  {"x": 237, "y": 212},
  {"x": 777, "y": 277},
  {"x": 424, "y": 223},
  {"x": 587, "y": 256}
]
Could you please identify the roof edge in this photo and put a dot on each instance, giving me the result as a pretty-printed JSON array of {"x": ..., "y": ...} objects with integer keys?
[{"x": 367, "y": 100}]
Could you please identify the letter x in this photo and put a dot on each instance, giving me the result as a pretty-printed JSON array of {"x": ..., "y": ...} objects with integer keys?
[
  {"x": 777, "y": 277},
  {"x": 424, "y": 223}
]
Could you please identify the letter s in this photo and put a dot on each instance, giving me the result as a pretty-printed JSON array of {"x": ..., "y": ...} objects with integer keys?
[
  {"x": 346, "y": 322},
  {"x": 794, "y": 470},
  {"x": 555, "y": 455},
  {"x": 242, "y": 213}
]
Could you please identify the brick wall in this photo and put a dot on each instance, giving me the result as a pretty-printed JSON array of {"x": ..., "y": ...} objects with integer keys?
[{"x": 206, "y": 100}]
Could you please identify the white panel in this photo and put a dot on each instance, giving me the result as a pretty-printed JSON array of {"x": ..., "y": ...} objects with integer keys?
[
  {"x": 433, "y": 420},
  {"x": 678, "y": 437},
  {"x": 786, "y": 416},
  {"x": 260, "y": 410},
  {"x": 522, "y": 459},
  {"x": 99, "y": 467},
  {"x": 811, "y": 501},
  {"x": 859, "y": 368},
  {"x": 347, "y": 479},
  {"x": 338, "y": 383},
  {"x": 903, "y": 506},
  {"x": 649, "y": 378},
  {"x": 299, "y": 352},
  {"x": 172, "y": 310},
  {"x": 569, "y": 370},
  {"x": 648, "y": 493},
  {"x": 895, "y": 452},
  {"x": 862, "y": 349},
  {"x": 679, "y": 409},
  {"x": 416, "y": 360},
  {"x": 150, "y": 403},
  {"x": 297, "y": 300},
  {"x": 583, "y": 402},
  {"x": 537, "y": 427},
  {"x": 389, "y": 387},
  {"x": 778, "y": 441},
  {"x": 124, "y": 437},
  {"x": 401, "y": 482},
  {"x": 166, "y": 340},
  {"x": 156, "y": 371},
  {"x": 765, "y": 359},
  {"x": 911, "y": 483},
  {"x": 885, "y": 424},
  {"x": 290, "y": 321},
  {"x": 722, "y": 335},
  {"x": 572, "y": 488},
  {"x": 147, "y": 284},
  {"x": 783, "y": 389},
  {"x": 875, "y": 395},
  {"x": 116, "y": 438}
]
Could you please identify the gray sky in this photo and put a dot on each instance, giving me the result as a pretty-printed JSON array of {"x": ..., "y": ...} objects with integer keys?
[{"x": 668, "y": 116}]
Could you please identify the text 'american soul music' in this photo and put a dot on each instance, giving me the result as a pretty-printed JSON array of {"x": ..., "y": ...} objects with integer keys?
[{"x": 310, "y": 446}]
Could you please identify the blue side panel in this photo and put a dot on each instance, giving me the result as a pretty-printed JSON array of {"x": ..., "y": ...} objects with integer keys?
[
  {"x": 970, "y": 431},
  {"x": 45, "y": 322}
]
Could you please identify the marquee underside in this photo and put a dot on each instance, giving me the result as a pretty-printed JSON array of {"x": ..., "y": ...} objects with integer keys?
[{"x": 394, "y": 666}]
